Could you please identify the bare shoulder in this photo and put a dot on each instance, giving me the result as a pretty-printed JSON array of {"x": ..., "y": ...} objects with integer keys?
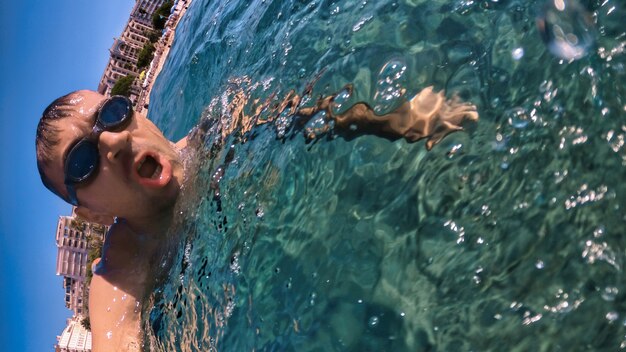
[
  {"x": 117, "y": 289},
  {"x": 115, "y": 317},
  {"x": 181, "y": 144}
]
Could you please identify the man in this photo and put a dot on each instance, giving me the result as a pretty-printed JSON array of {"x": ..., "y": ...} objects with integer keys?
[
  {"x": 121, "y": 188},
  {"x": 96, "y": 153}
]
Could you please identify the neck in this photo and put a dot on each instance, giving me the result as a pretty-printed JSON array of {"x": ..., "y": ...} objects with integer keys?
[
  {"x": 153, "y": 227},
  {"x": 153, "y": 247}
]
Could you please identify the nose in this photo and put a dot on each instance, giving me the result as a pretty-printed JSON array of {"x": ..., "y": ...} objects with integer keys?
[{"x": 111, "y": 144}]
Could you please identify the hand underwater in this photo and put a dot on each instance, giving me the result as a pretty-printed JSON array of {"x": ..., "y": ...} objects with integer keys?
[{"x": 434, "y": 117}]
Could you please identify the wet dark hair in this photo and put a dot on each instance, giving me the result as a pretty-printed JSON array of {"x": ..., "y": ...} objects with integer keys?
[{"x": 47, "y": 137}]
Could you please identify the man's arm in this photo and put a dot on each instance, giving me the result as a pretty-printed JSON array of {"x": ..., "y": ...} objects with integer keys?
[
  {"x": 427, "y": 115},
  {"x": 119, "y": 285},
  {"x": 115, "y": 317}
]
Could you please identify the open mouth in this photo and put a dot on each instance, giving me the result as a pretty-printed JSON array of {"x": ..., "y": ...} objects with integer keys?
[
  {"x": 149, "y": 167},
  {"x": 153, "y": 171}
]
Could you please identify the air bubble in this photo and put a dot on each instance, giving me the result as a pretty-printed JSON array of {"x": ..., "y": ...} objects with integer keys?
[
  {"x": 517, "y": 117},
  {"x": 361, "y": 23},
  {"x": 340, "y": 100},
  {"x": 500, "y": 144},
  {"x": 609, "y": 293},
  {"x": 566, "y": 28},
  {"x": 598, "y": 232},
  {"x": 283, "y": 122},
  {"x": 373, "y": 321},
  {"x": 612, "y": 316},
  {"x": 389, "y": 86},
  {"x": 318, "y": 125}
]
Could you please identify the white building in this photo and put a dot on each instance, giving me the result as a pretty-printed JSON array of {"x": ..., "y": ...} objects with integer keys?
[
  {"x": 74, "y": 338},
  {"x": 72, "y": 238},
  {"x": 125, "y": 49}
]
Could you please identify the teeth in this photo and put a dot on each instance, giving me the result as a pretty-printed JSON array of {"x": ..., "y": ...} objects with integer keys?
[
  {"x": 140, "y": 164},
  {"x": 157, "y": 172}
]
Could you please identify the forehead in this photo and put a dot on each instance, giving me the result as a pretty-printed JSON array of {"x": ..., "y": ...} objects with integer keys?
[{"x": 85, "y": 102}]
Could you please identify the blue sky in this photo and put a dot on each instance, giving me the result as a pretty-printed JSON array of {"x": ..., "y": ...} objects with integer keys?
[{"x": 49, "y": 48}]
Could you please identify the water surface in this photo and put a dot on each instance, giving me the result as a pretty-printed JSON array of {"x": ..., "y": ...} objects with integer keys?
[{"x": 507, "y": 236}]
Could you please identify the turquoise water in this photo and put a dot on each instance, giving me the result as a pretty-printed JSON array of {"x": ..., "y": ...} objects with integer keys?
[{"x": 508, "y": 236}]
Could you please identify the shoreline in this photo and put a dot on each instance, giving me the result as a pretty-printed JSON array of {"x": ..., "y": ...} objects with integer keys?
[{"x": 161, "y": 53}]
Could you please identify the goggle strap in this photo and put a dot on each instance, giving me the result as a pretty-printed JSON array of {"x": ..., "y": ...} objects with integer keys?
[{"x": 71, "y": 193}]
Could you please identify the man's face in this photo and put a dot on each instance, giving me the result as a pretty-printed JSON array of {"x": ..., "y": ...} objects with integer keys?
[{"x": 139, "y": 172}]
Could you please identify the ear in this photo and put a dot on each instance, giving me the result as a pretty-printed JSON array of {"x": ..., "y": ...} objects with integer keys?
[{"x": 95, "y": 217}]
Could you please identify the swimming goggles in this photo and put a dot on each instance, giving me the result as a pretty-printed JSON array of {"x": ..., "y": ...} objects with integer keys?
[{"x": 82, "y": 160}]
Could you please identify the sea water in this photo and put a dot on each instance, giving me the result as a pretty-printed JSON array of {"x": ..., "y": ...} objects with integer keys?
[{"x": 508, "y": 236}]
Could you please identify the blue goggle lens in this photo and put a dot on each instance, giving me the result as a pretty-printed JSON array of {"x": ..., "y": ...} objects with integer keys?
[
  {"x": 114, "y": 111},
  {"x": 82, "y": 161}
]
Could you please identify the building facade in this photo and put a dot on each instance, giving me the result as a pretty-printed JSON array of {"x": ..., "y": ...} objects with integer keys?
[
  {"x": 72, "y": 239},
  {"x": 72, "y": 252},
  {"x": 125, "y": 49},
  {"x": 74, "y": 338},
  {"x": 143, "y": 10}
]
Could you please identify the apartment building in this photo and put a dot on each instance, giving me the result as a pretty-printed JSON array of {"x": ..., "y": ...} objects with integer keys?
[
  {"x": 125, "y": 49},
  {"x": 72, "y": 237},
  {"x": 143, "y": 10},
  {"x": 74, "y": 338}
]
